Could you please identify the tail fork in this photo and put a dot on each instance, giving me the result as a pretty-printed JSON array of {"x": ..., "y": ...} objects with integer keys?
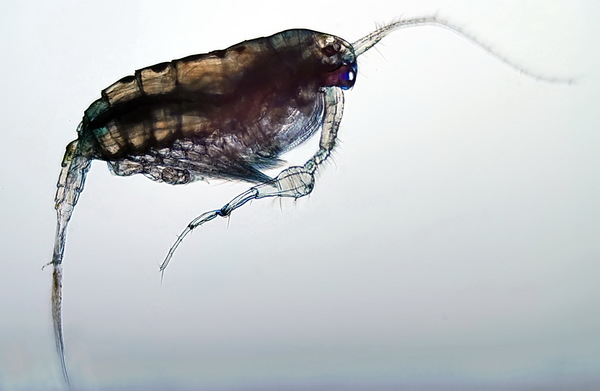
[{"x": 70, "y": 184}]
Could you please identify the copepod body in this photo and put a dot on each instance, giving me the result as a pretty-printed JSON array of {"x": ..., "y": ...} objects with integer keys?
[{"x": 228, "y": 114}]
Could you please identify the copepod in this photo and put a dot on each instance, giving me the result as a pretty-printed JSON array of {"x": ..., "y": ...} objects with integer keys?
[{"x": 228, "y": 114}]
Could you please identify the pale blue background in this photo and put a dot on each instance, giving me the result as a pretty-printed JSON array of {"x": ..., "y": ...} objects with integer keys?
[{"x": 452, "y": 243}]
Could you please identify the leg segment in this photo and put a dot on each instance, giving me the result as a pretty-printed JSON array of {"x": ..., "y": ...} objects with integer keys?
[{"x": 296, "y": 181}]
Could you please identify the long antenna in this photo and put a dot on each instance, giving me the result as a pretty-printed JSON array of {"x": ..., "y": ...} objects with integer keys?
[{"x": 370, "y": 40}]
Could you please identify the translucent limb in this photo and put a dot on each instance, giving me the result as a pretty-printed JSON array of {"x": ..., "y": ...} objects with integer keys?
[
  {"x": 57, "y": 320},
  {"x": 370, "y": 40},
  {"x": 295, "y": 182},
  {"x": 69, "y": 186}
]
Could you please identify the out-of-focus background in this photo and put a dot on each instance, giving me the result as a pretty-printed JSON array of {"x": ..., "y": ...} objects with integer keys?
[{"x": 452, "y": 242}]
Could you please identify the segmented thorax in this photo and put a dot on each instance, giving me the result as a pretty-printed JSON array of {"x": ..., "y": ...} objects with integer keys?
[{"x": 240, "y": 106}]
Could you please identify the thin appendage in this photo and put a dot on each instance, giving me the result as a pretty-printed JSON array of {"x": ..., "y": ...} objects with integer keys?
[
  {"x": 370, "y": 40},
  {"x": 295, "y": 182},
  {"x": 57, "y": 320},
  {"x": 238, "y": 201},
  {"x": 69, "y": 186}
]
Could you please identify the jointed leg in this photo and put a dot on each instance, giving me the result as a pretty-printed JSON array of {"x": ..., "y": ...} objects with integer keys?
[{"x": 296, "y": 181}]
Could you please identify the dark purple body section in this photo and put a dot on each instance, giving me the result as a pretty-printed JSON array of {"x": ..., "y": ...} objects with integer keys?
[{"x": 226, "y": 114}]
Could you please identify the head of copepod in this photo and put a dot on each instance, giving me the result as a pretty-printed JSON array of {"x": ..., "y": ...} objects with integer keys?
[
  {"x": 315, "y": 56},
  {"x": 338, "y": 60}
]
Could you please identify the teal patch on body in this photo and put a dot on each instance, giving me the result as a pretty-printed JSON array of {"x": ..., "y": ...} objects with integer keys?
[
  {"x": 100, "y": 132},
  {"x": 97, "y": 108}
]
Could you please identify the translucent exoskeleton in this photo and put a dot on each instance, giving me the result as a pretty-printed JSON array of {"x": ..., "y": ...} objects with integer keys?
[{"x": 228, "y": 114}]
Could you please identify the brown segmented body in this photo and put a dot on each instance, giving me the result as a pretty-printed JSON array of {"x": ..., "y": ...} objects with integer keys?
[{"x": 226, "y": 114}]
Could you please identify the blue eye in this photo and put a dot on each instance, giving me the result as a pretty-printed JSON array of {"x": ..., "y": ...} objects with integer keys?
[{"x": 347, "y": 77}]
